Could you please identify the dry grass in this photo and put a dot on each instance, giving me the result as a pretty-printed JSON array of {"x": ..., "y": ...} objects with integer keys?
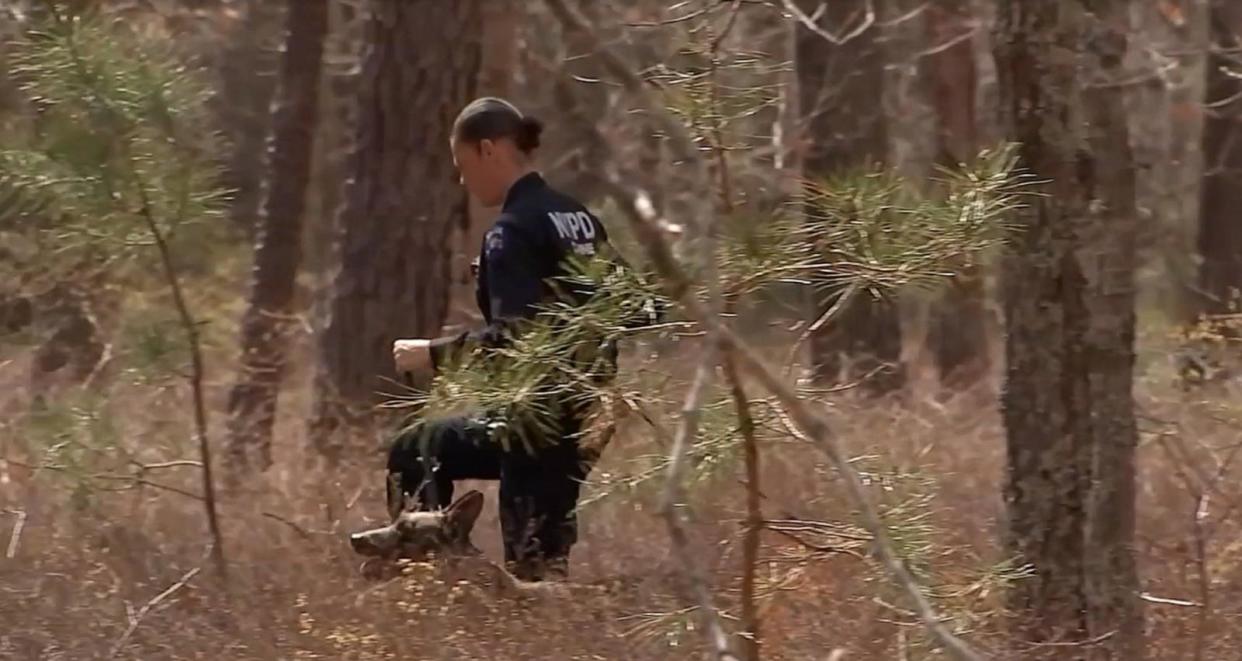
[{"x": 87, "y": 561}]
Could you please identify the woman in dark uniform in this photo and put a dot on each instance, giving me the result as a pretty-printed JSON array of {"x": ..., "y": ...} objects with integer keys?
[{"x": 525, "y": 249}]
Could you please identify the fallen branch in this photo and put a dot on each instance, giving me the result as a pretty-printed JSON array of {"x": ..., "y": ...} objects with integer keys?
[
  {"x": 168, "y": 464},
  {"x": 303, "y": 532},
  {"x": 155, "y": 601},
  {"x": 817, "y": 548},
  {"x": 16, "y": 537},
  {"x": 1166, "y": 601}
]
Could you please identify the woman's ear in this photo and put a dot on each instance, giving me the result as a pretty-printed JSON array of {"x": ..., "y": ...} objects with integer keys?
[{"x": 486, "y": 147}]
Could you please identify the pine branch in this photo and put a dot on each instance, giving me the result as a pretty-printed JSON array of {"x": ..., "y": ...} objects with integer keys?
[
  {"x": 129, "y": 100},
  {"x": 680, "y": 288}
]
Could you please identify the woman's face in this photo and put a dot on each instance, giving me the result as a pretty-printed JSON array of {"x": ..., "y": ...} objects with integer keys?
[{"x": 479, "y": 167}]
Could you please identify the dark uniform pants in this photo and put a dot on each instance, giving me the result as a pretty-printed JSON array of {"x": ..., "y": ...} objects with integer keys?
[{"x": 539, "y": 486}]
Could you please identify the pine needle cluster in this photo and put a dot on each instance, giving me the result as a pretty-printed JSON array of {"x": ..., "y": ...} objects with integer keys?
[{"x": 120, "y": 135}]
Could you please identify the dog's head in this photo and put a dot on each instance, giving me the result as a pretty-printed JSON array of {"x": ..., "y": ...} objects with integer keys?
[{"x": 416, "y": 535}]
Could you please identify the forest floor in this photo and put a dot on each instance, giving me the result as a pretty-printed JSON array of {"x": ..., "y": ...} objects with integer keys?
[{"x": 94, "y": 563}]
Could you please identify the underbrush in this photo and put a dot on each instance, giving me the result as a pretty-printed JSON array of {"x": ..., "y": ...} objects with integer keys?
[{"x": 103, "y": 544}]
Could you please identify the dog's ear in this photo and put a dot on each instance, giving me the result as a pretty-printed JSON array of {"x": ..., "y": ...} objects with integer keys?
[{"x": 464, "y": 511}]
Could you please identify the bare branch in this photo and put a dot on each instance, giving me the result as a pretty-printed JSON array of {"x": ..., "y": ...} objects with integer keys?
[
  {"x": 133, "y": 480},
  {"x": 674, "y": 492},
  {"x": 645, "y": 222},
  {"x": 168, "y": 464},
  {"x": 674, "y": 496},
  {"x": 305, "y": 533},
  {"x": 819, "y": 431},
  {"x": 817, "y": 548},
  {"x": 16, "y": 537},
  {"x": 155, "y": 601},
  {"x": 831, "y": 313},
  {"x": 835, "y": 39},
  {"x": 1168, "y": 602}
]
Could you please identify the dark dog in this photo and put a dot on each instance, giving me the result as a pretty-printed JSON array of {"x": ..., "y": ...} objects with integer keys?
[
  {"x": 416, "y": 536},
  {"x": 419, "y": 536}
]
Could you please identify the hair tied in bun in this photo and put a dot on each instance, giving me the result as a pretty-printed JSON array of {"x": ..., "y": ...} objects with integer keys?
[{"x": 528, "y": 136}]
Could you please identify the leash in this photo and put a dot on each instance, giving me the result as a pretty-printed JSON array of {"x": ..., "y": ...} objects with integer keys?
[{"x": 427, "y": 483}]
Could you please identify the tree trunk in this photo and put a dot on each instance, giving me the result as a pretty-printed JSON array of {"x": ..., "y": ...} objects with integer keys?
[
  {"x": 278, "y": 254},
  {"x": 338, "y": 99},
  {"x": 843, "y": 110},
  {"x": 958, "y": 335},
  {"x": 248, "y": 82},
  {"x": 1069, "y": 305},
  {"x": 1220, "y": 232},
  {"x": 1165, "y": 109},
  {"x": 501, "y": 21},
  {"x": 401, "y": 205}
]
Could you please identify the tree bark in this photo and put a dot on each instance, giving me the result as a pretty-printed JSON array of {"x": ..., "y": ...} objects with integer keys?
[
  {"x": 843, "y": 109},
  {"x": 338, "y": 99},
  {"x": 278, "y": 252},
  {"x": 1220, "y": 232},
  {"x": 1166, "y": 113},
  {"x": 958, "y": 334},
  {"x": 1069, "y": 305},
  {"x": 248, "y": 83},
  {"x": 402, "y": 202},
  {"x": 501, "y": 21}
]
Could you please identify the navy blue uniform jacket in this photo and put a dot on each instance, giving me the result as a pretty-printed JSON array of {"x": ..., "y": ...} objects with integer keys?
[{"x": 522, "y": 254}]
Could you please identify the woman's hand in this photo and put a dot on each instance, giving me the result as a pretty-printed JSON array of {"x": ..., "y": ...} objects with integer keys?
[{"x": 412, "y": 355}]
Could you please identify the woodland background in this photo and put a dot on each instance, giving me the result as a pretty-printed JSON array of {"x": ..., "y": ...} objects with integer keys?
[{"x": 1021, "y": 397}]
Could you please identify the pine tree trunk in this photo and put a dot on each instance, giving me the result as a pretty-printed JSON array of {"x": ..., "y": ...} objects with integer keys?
[
  {"x": 1166, "y": 116},
  {"x": 958, "y": 330},
  {"x": 338, "y": 99},
  {"x": 401, "y": 205},
  {"x": 1220, "y": 232},
  {"x": 842, "y": 102},
  {"x": 501, "y": 22},
  {"x": 278, "y": 253},
  {"x": 248, "y": 83},
  {"x": 1069, "y": 306}
]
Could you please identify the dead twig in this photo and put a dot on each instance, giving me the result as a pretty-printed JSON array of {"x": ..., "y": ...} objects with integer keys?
[
  {"x": 673, "y": 491},
  {"x": 134, "y": 480},
  {"x": 811, "y": 23},
  {"x": 750, "y": 634},
  {"x": 1077, "y": 643},
  {"x": 155, "y": 601},
  {"x": 169, "y": 464},
  {"x": 831, "y": 313},
  {"x": 1166, "y": 601},
  {"x": 817, "y": 548},
  {"x": 296, "y": 528},
  {"x": 16, "y": 537}
]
